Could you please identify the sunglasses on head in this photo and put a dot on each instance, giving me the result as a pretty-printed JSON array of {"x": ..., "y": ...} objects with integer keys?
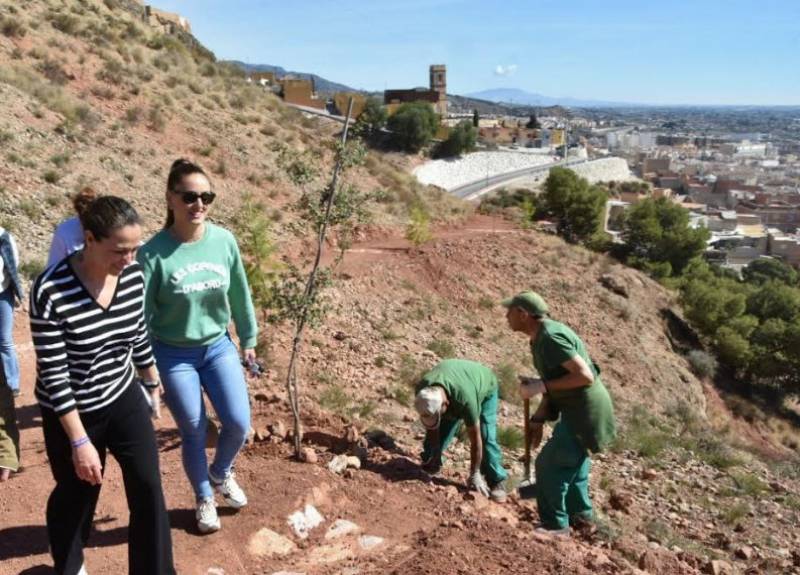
[{"x": 189, "y": 197}]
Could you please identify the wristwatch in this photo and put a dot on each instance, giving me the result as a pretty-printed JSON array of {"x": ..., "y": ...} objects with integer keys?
[{"x": 151, "y": 383}]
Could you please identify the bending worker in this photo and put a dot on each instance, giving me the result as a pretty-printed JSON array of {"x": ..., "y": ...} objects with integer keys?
[
  {"x": 458, "y": 390},
  {"x": 570, "y": 387}
]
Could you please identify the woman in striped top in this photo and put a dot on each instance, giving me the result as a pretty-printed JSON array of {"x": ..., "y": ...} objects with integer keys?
[{"x": 88, "y": 328}]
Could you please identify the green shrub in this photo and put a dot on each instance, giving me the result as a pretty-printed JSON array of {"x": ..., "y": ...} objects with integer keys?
[
  {"x": 51, "y": 176},
  {"x": 510, "y": 437},
  {"x": 53, "y": 71},
  {"x": 13, "y": 27},
  {"x": 443, "y": 348},
  {"x": 508, "y": 382},
  {"x": 732, "y": 514},
  {"x": 703, "y": 364},
  {"x": 334, "y": 398},
  {"x": 418, "y": 229},
  {"x": 133, "y": 115},
  {"x": 61, "y": 160},
  {"x": 409, "y": 371},
  {"x": 401, "y": 394},
  {"x": 66, "y": 23},
  {"x": 31, "y": 269},
  {"x": 749, "y": 484},
  {"x": 156, "y": 119}
]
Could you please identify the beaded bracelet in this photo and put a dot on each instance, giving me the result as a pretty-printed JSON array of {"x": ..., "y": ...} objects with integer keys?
[{"x": 78, "y": 442}]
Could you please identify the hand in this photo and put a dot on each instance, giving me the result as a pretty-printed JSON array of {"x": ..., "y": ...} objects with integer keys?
[
  {"x": 478, "y": 483},
  {"x": 433, "y": 465},
  {"x": 87, "y": 464},
  {"x": 536, "y": 431},
  {"x": 249, "y": 359},
  {"x": 530, "y": 387},
  {"x": 155, "y": 400}
]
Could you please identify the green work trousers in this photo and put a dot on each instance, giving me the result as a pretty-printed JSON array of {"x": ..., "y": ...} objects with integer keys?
[
  {"x": 562, "y": 480},
  {"x": 9, "y": 434},
  {"x": 492, "y": 460}
]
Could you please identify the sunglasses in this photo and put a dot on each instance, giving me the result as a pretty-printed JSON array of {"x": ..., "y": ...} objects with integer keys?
[{"x": 191, "y": 197}]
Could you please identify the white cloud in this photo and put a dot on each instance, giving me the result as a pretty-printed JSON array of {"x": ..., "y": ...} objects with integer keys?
[{"x": 509, "y": 70}]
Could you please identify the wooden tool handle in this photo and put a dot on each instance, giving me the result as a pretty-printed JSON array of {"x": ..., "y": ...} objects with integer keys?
[{"x": 527, "y": 461}]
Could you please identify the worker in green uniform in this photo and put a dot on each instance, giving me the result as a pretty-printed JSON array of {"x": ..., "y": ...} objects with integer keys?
[
  {"x": 573, "y": 394},
  {"x": 457, "y": 391}
]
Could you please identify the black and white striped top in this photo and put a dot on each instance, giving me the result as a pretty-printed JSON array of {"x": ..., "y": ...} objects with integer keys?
[{"x": 84, "y": 352}]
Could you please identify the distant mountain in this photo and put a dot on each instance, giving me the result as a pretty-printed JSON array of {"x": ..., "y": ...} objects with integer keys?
[
  {"x": 517, "y": 97},
  {"x": 320, "y": 83}
]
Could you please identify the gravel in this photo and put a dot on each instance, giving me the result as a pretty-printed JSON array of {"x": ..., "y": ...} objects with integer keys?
[{"x": 451, "y": 173}]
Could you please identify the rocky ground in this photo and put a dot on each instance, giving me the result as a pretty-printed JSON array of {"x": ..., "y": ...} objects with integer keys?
[{"x": 676, "y": 495}]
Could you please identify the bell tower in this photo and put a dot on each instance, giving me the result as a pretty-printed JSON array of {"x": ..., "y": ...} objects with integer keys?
[{"x": 438, "y": 83}]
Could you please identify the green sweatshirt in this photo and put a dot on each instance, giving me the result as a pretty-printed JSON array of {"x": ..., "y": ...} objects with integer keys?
[{"x": 193, "y": 289}]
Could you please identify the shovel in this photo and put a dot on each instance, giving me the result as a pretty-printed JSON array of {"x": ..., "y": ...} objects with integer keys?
[{"x": 527, "y": 487}]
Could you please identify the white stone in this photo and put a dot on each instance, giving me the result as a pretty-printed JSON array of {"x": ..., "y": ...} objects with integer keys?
[
  {"x": 338, "y": 464},
  {"x": 302, "y": 522},
  {"x": 367, "y": 542},
  {"x": 267, "y": 543},
  {"x": 340, "y": 528}
]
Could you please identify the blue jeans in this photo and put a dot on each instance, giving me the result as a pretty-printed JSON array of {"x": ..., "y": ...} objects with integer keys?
[
  {"x": 8, "y": 354},
  {"x": 185, "y": 373}
]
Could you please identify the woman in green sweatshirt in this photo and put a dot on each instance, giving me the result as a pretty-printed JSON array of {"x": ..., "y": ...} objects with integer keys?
[{"x": 195, "y": 285}]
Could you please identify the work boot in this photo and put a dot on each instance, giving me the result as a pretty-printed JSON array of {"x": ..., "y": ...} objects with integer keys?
[
  {"x": 583, "y": 526},
  {"x": 206, "y": 514},
  {"x": 498, "y": 494}
]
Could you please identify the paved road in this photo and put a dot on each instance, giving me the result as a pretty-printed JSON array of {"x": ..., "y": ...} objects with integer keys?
[{"x": 476, "y": 188}]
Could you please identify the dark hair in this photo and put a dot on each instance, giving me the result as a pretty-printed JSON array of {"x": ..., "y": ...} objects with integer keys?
[
  {"x": 180, "y": 169},
  {"x": 106, "y": 214},
  {"x": 83, "y": 199}
]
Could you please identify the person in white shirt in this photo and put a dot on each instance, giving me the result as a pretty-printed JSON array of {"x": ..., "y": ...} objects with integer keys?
[{"x": 68, "y": 236}]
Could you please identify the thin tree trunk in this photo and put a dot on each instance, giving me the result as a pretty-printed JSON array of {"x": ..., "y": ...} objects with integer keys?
[{"x": 292, "y": 389}]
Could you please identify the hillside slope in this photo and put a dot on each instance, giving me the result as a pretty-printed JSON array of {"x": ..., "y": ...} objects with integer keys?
[{"x": 89, "y": 95}]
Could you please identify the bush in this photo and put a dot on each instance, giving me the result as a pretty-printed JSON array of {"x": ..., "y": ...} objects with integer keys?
[
  {"x": 443, "y": 348},
  {"x": 412, "y": 126},
  {"x": 53, "y": 71},
  {"x": 335, "y": 399},
  {"x": 576, "y": 206},
  {"x": 31, "y": 269},
  {"x": 703, "y": 364},
  {"x": 156, "y": 119},
  {"x": 66, "y": 23},
  {"x": 510, "y": 437},
  {"x": 461, "y": 139},
  {"x": 657, "y": 231},
  {"x": 418, "y": 229},
  {"x": 51, "y": 176},
  {"x": 12, "y": 27},
  {"x": 507, "y": 382}
]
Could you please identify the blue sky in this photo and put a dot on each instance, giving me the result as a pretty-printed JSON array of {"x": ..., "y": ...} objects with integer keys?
[{"x": 663, "y": 52}]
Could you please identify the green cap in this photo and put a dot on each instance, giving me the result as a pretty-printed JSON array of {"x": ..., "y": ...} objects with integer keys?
[{"x": 530, "y": 301}]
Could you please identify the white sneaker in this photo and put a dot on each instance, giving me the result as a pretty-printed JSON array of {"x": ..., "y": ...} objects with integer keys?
[
  {"x": 229, "y": 489},
  {"x": 206, "y": 514}
]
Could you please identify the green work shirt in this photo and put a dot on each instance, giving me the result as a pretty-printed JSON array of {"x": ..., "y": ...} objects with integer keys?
[
  {"x": 588, "y": 410},
  {"x": 466, "y": 383}
]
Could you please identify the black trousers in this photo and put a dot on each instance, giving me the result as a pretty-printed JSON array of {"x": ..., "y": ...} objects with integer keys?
[{"x": 125, "y": 429}]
